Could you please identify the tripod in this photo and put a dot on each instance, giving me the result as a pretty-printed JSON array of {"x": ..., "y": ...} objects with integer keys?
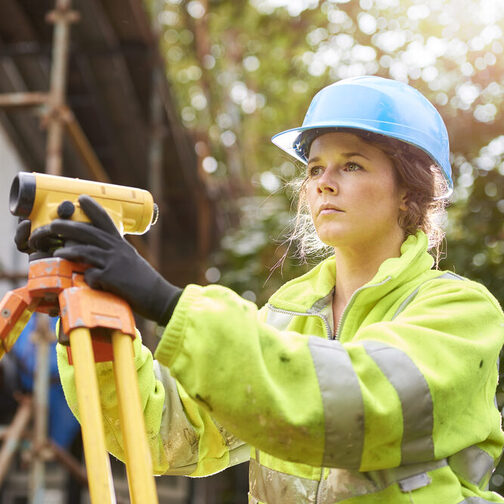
[{"x": 56, "y": 286}]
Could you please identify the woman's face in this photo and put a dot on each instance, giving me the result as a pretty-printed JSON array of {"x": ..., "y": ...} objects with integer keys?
[{"x": 352, "y": 192}]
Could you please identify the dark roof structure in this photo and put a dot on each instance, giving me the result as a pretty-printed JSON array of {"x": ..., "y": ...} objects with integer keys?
[{"x": 124, "y": 113}]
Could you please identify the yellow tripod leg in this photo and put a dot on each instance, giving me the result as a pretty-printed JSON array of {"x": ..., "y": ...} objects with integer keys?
[
  {"x": 93, "y": 436},
  {"x": 138, "y": 457}
]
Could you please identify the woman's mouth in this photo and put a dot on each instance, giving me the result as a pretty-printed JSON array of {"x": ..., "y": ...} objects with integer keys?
[{"x": 329, "y": 209}]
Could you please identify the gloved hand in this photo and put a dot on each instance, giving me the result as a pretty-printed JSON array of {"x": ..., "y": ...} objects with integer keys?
[
  {"x": 42, "y": 244},
  {"x": 116, "y": 265}
]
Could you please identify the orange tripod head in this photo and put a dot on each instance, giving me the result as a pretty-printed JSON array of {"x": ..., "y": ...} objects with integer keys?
[{"x": 42, "y": 198}]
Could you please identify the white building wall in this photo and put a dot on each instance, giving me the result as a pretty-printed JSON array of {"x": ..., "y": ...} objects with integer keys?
[{"x": 10, "y": 259}]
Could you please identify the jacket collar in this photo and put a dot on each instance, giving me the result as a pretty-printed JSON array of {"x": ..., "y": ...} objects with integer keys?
[{"x": 302, "y": 293}]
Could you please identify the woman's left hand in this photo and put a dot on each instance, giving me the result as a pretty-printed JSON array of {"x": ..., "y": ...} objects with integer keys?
[{"x": 116, "y": 266}]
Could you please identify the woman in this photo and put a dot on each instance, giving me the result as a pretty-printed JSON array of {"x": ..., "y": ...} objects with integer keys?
[{"x": 370, "y": 379}]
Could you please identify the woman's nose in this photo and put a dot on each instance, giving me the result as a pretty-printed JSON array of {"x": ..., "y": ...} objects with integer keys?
[{"x": 327, "y": 183}]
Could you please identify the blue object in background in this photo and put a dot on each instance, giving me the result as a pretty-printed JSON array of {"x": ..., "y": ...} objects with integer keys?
[{"x": 63, "y": 426}]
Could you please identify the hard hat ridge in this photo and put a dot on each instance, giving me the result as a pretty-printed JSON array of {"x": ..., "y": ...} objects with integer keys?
[{"x": 378, "y": 105}]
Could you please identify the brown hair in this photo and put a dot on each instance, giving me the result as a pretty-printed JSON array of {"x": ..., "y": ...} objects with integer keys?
[{"x": 414, "y": 170}]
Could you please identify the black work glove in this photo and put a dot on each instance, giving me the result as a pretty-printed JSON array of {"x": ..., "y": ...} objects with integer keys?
[
  {"x": 38, "y": 246},
  {"x": 116, "y": 266}
]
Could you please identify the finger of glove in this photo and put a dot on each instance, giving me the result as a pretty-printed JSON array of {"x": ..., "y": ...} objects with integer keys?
[
  {"x": 22, "y": 235},
  {"x": 82, "y": 232},
  {"x": 87, "y": 254},
  {"x": 43, "y": 239},
  {"x": 93, "y": 277},
  {"x": 97, "y": 214}
]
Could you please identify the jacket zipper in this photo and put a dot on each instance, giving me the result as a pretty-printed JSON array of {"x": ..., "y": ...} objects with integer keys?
[
  {"x": 317, "y": 495},
  {"x": 352, "y": 301}
]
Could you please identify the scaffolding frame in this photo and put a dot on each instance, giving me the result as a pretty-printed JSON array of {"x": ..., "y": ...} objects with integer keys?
[{"x": 58, "y": 120}]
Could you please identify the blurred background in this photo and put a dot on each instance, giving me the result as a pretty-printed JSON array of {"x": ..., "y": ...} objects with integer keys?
[{"x": 181, "y": 98}]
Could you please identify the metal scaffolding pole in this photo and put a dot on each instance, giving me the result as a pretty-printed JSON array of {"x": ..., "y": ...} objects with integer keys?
[
  {"x": 62, "y": 16},
  {"x": 43, "y": 336},
  {"x": 23, "y": 99}
]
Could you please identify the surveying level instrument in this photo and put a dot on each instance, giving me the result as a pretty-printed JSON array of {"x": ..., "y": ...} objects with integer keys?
[
  {"x": 42, "y": 198},
  {"x": 99, "y": 324}
]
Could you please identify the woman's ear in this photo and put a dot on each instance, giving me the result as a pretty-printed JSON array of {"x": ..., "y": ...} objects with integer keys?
[{"x": 404, "y": 197}]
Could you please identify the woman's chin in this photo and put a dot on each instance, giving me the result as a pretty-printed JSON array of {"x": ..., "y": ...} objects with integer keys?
[
  {"x": 340, "y": 239},
  {"x": 332, "y": 240}
]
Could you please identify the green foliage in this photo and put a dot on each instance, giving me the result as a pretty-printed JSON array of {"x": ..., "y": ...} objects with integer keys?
[
  {"x": 245, "y": 70},
  {"x": 476, "y": 246}
]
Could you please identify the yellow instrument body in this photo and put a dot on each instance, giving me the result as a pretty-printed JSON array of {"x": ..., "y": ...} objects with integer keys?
[{"x": 37, "y": 197}]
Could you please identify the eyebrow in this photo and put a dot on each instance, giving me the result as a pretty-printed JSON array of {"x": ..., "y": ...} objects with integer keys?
[{"x": 344, "y": 154}]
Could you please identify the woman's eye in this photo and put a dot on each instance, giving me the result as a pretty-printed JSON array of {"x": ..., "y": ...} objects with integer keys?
[
  {"x": 314, "y": 171},
  {"x": 352, "y": 167}
]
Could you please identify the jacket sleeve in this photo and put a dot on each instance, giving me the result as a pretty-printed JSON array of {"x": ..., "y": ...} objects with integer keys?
[
  {"x": 183, "y": 438},
  {"x": 418, "y": 388}
]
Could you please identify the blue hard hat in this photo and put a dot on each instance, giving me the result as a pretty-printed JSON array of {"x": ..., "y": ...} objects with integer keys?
[{"x": 378, "y": 105}]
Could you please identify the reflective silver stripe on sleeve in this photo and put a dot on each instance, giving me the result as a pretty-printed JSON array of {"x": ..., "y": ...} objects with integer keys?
[
  {"x": 274, "y": 487},
  {"x": 473, "y": 465},
  {"x": 476, "y": 500},
  {"x": 342, "y": 403},
  {"x": 180, "y": 439},
  {"x": 416, "y": 401}
]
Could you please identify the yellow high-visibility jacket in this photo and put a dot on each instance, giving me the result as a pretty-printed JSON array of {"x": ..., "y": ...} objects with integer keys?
[{"x": 396, "y": 405}]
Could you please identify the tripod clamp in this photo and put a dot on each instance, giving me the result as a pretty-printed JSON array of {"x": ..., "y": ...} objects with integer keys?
[{"x": 56, "y": 286}]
